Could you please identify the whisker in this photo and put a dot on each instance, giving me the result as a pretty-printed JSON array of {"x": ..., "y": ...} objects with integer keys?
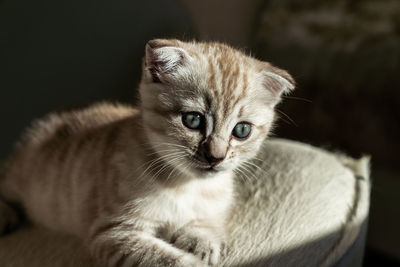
[
  {"x": 160, "y": 158},
  {"x": 165, "y": 150},
  {"x": 173, "y": 170},
  {"x": 168, "y": 144},
  {"x": 249, "y": 171},
  {"x": 287, "y": 116},
  {"x": 151, "y": 145},
  {"x": 244, "y": 174},
  {"x": 185, "y": 167},
  {"x": 256, "y": 166},
  {"x": 239, "y": 174},
  {"x": 255, "y": 158},
  {"x": 168, "y": 165},
  {"x": 157, "y": 160},
  {"x": 297, "y": 98}
]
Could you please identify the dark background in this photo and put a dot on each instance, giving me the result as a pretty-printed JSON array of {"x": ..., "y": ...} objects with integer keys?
[
  {"x": 344, "y": 54},
  {"x": 66, "y": 53}
]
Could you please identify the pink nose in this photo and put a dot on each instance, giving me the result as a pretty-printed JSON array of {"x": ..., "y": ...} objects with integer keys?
[
  {"x": 215, "y": 150},
  {"x": 212, "y": 160}
]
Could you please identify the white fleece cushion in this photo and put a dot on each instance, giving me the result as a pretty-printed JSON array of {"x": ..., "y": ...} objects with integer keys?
[{"x": 305, "y": 208}]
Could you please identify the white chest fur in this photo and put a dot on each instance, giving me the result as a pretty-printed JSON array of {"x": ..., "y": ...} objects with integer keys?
[{"x": 195, "y": 200}]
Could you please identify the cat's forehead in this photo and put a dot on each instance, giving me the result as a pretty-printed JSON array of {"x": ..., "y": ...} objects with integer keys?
[
  {"x": 226, "y": 78},
  {"x": 211, "y": 77},
  {"x": 225, "y": 106}
]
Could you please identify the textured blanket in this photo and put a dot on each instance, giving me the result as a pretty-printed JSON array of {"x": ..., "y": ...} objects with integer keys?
[{"x": 302, "y": 206}]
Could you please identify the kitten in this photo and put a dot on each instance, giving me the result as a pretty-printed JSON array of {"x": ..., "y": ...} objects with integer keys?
[{"x": 153, "y": 185}]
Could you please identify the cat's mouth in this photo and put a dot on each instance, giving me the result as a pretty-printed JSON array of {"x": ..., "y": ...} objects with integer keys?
[
  {"x": 203, "y": 167},
  {"x": 209, "y": 169}
]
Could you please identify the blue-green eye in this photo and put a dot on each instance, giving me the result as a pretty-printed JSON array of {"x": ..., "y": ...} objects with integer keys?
[
  {"x": 241, "y": 130},
  {"x": 192, "y": 120}
]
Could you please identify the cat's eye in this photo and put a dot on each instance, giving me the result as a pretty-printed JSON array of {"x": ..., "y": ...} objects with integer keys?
[
  {"x": 192, "y": 120},
  {"x": 241, "y": 130}
]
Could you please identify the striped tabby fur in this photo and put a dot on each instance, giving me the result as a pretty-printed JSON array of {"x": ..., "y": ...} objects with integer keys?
[{"x": 135, "y": 183}]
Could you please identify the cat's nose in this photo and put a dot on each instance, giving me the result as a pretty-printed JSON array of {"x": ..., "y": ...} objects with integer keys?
[
  {"x": 213, "y": 160},
  {"x": 214, "y": 150}
]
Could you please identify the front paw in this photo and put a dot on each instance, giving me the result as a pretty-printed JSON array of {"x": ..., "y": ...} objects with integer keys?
[
  {"x": 204, "y": 247},
  {"x": 187, "y": 261}
]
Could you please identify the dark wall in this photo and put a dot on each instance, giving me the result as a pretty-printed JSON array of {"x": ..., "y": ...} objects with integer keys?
[
  {"x": 62, "y": 54},
  {"x": 345, "y": 56}
]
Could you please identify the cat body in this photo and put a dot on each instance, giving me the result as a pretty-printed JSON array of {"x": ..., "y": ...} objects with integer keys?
[{"x": 153, "y": 185}]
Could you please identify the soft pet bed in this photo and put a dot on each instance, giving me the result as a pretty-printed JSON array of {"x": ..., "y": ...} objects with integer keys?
[{"x": 302, "y": 207}]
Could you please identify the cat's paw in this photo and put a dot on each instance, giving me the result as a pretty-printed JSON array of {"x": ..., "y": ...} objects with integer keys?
[
  {"x": 9, "y": 218},
  {"x": 204, "y": 247},
  {"x": 189, "y": 261}
]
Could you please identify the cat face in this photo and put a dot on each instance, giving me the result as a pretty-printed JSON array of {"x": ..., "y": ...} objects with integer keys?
[{"x": 206, "y": 107}]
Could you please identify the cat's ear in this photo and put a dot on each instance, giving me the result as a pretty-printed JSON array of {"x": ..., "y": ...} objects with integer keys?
[
  {"x": 277, "y": 81},
  {"x": 164, "y": 57}
]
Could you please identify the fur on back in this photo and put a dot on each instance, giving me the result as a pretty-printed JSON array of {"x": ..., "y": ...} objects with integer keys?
[
  {"x": 140, "y": 185},
  {"x": 64, "y": 164}
]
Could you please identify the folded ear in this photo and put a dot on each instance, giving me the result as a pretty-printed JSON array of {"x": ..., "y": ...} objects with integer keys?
[
  {"x": 277, "y": 81},
  {"x": 163, "y": 57}
]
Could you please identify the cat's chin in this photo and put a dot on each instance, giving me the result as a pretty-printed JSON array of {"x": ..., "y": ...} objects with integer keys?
[{"x": 207, "y": 172}]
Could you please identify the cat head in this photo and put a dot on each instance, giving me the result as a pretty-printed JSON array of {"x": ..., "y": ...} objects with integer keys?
[{"x": 207, "y": 107}]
